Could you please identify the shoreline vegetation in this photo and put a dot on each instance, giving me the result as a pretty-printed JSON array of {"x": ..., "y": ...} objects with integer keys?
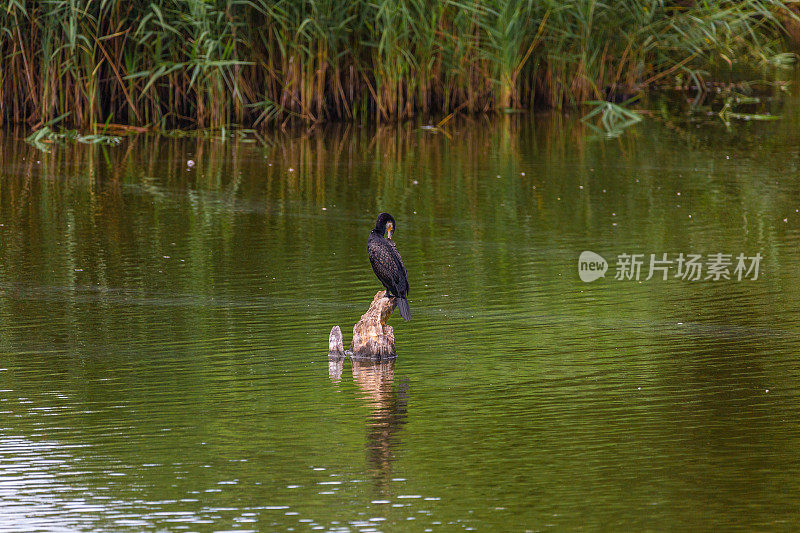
[{"x": 131, "y": 66}]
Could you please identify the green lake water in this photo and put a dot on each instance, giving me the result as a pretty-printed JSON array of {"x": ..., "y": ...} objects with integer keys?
[{"x": 165, "y": 307}]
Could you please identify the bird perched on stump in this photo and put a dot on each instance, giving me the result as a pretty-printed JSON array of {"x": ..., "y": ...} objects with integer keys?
[{"x": 387, "y": 263}]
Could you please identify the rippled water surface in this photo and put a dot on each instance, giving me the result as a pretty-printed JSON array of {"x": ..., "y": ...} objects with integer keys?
[{"x": 164, "y": 327}]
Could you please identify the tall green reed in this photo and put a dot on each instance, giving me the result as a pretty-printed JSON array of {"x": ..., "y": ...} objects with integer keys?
[{"x": 211, "y": 63}]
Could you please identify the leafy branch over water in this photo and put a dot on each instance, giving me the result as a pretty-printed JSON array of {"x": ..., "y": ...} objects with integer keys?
[
  {"x": 614, "y": 118},
  {"x": 732, "y": 102},
  {"x": 44, "y": 137}
]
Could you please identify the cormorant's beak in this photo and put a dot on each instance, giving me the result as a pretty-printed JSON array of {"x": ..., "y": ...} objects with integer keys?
[{"x": 389, "y": 230}]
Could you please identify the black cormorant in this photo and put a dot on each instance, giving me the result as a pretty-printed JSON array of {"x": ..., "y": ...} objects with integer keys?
[{"x": 387, "y": 263}]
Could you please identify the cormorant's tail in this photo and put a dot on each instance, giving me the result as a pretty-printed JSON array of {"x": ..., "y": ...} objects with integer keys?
[{"x": 402, "y": 304}]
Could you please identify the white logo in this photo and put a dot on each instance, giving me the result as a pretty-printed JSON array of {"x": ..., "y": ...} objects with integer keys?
[
  {"x": 591, "y": 266},
  {"x": 687, "y": 267}
]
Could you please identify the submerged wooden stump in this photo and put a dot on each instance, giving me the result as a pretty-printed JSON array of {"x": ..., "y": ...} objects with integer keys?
[
  {"x": 372, "y": 337},
  {"x": 335, "y": 344}
]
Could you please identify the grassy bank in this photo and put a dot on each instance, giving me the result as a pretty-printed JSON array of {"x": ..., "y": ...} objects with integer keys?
[{"x": 209, "y": 63}]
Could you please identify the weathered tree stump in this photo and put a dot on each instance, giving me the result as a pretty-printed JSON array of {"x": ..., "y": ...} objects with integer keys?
[
  {"x": 335, "y": 344},
  {"x": 335, "y": 354},
  {"x": 372, "y": 337}
]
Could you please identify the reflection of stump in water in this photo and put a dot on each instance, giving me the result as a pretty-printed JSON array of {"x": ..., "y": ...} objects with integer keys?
[
  {"x": 376, "y": 380},
  {"x": 335, "y": 367}
]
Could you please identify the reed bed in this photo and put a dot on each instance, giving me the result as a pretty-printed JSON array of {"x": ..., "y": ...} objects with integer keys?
[{"x": 211, "y": 63}]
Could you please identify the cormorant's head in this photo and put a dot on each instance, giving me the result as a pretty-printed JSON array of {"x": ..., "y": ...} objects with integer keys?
[{"x": 385, "y": 225}]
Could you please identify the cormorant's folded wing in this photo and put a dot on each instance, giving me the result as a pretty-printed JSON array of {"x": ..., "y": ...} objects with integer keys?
[
  {"x": 388, "y": 265},
  {"x": 401, "y": 276}
]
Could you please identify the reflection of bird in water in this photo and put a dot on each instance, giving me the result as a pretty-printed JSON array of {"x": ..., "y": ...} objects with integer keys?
[
  {"x": 387, "y": 263},
  {"x": 376, "y": 380}
]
